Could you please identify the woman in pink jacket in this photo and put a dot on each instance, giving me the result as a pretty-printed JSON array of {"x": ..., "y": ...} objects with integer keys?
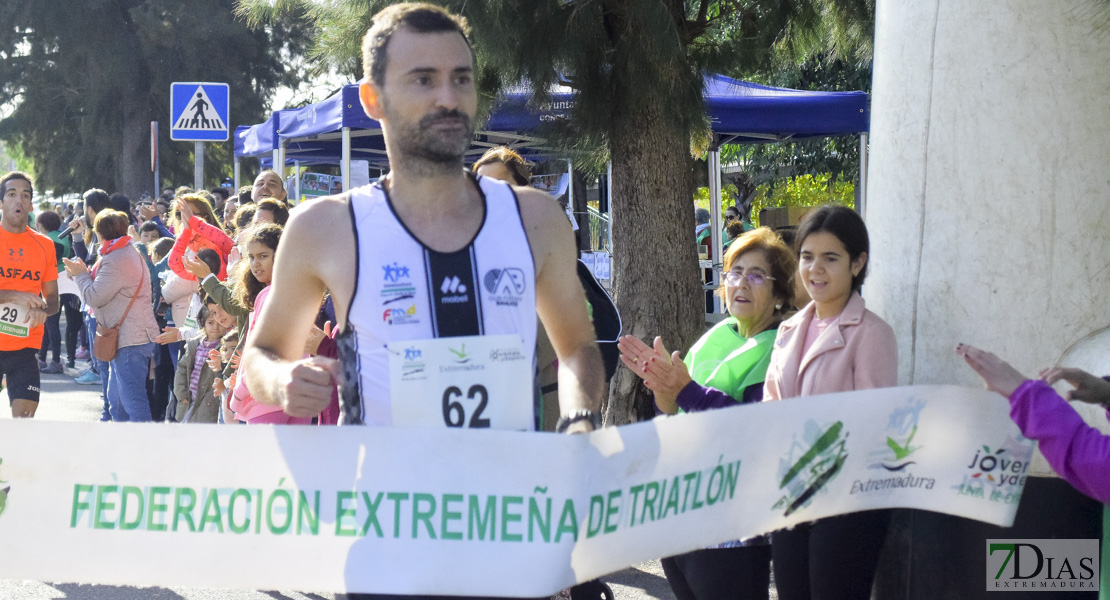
[{"x": 834, "y": 344}]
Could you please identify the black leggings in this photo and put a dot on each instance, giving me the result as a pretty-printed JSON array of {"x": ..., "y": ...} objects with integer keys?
[
  {"x": 52, "y": 335},
  {"x": 720, "y": 573},
  {"x": 833, "y": 558}
]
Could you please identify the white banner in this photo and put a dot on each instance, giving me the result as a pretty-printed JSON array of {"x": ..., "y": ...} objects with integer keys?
[{"x": 480, "y": 512}]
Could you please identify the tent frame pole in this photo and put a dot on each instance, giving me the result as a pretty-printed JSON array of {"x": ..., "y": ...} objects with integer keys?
[
  {"x": 714, "y": 162},
  {"x": 862, "y": 208},
  {"x": 345, "y": 160}
]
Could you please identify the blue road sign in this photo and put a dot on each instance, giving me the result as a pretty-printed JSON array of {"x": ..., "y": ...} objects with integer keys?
[{"x": 198, "y": 112}]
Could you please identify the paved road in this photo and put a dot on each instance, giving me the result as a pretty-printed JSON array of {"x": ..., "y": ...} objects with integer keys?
[{"x": 63, "y": 400}]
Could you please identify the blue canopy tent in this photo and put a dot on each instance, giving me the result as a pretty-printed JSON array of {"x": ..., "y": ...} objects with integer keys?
[{"x": 739, "y": 112}]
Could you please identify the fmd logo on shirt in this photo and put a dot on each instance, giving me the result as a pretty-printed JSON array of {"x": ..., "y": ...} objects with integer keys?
[{"x": 454, "y": 291}]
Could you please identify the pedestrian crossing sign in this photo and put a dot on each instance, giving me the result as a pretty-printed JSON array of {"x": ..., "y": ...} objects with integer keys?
[{"x": 198, "y": 112}]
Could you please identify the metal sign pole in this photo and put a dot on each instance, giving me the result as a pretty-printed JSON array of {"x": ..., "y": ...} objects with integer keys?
[
  {"x": 154, "y": 159},
  {"x": 198, "y": 166}
]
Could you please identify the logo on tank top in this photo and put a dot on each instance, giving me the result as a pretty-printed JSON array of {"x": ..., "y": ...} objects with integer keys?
[
  {"x": 454, "y": 291},
  {"x": 397, "y": 284},
  {"x": 506, "y": 286},
  {"x": 400, "y": 316}
]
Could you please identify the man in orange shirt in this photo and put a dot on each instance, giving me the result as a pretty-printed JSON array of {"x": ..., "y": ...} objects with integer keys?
[{"x": 28, "y": 293}]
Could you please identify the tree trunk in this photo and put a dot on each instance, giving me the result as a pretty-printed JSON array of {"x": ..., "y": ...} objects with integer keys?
[
  {"x": 135, "y": 176},
  {"x": 656, "y": 284}
]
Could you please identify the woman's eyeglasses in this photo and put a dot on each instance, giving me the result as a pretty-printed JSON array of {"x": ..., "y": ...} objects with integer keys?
[{"x": 754, "y": 278}]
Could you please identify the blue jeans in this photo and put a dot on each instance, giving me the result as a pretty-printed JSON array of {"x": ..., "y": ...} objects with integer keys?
[
  {"x": 127, "y": 398},
  {"x": 102, "y": 368}
]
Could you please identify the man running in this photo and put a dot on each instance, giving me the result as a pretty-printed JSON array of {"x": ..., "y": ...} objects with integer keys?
[
  {"x": 448, "y": 273},
  {"x": 28, "y": 293}
]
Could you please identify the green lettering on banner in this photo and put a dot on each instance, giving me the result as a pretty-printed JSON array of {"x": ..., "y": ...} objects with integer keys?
[
  {"x": 102, "y": 506},
  {"x": 651, "y": 492},
  {"x": 672, "y": 499},
  {"x": 397, "y": 497},
  {"x": 597, "y": 508},
  {"x": 486, "y": 520},
  {"x": 258, "y": 511},
  {"x": 179, "y": 510},
  {"x": 371, "y": 514},
  {"x": 309, "y": 514},
  {"x": 568, "y": 522},
  {"x": 78, "y": 504},
  {"x": 718, "y": 475},
  {"x": 635, "y": 492},
  {"x": 686, "y": 496},
  {"x": 541, "y": 518},
  {"x": 231, "y": 510},
  {"x": 423, "y": 516},
  {"x": 697, "y": 488},
  {"x": 159, "y": 508},
  {"x": 447, "y": 515},
  {"x": 212, "y": 512},
  {"x": 611, "y": 511},
  {"x": 731, "y": 476},
  {"x": 131, "y": 491},
  {"x": 508, "y": 517},
  {"x": 284, "y": 527},
  {"x": 342, "y": 512}
]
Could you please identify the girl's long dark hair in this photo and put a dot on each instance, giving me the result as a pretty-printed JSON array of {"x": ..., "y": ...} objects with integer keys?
[{"x": 246, "y": 286}]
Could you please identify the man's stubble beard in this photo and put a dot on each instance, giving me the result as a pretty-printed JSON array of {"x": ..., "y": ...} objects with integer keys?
[{"x": 428, "y": 154}]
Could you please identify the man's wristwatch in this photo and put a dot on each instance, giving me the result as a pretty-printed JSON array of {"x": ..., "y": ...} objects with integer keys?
[{"x": 566, "y": 421}]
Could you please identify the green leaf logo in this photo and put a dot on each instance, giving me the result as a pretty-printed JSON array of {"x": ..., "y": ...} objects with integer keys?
[
  {"x": 902, "y": 450},
  {"x": 461, "y": 355}
]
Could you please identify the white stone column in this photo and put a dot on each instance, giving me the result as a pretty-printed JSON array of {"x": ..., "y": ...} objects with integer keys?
[{"x": 989, "y": 182}]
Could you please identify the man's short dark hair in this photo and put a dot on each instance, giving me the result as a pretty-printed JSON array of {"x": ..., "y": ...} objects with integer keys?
[
  {"x": 96, "y": 200},
  {"x": 417, "y": 16},
  {"x": 150, "y": 226},
  {"x": 222, "y": 192},
  {"x": 120, "y": 202},
  {"x": 15, "y": 175}
]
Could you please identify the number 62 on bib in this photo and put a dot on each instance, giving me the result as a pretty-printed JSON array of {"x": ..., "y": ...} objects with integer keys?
[{"x": 476, "y": 382}]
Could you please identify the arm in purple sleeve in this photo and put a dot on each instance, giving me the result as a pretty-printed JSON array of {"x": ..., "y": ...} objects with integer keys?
[
  {"x": 1076, "y": 451},
  {"x": 695, "y": 397}
]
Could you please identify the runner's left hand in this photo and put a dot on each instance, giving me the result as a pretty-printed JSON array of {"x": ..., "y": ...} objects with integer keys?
[{"x": 35, "y": 317}]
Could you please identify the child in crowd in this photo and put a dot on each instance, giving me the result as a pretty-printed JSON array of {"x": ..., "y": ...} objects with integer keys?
[
  {"x": 199, "y": 229},
  {"x": 217, "y": 360},
  {"x": 197, "y": 401},
  {"x": 252, "y": 285}
]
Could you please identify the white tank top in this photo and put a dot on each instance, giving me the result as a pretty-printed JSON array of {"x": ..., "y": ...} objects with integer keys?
[{"x": 407, "y": 291}]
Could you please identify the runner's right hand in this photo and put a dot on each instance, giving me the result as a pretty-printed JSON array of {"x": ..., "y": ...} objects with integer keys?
[
  {"x": 31, "y": 301},
  {"x": 307, "y": 387}
]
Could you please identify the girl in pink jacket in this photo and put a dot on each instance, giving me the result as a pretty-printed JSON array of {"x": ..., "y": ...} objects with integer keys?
[{"x": 834, "y": 344}]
